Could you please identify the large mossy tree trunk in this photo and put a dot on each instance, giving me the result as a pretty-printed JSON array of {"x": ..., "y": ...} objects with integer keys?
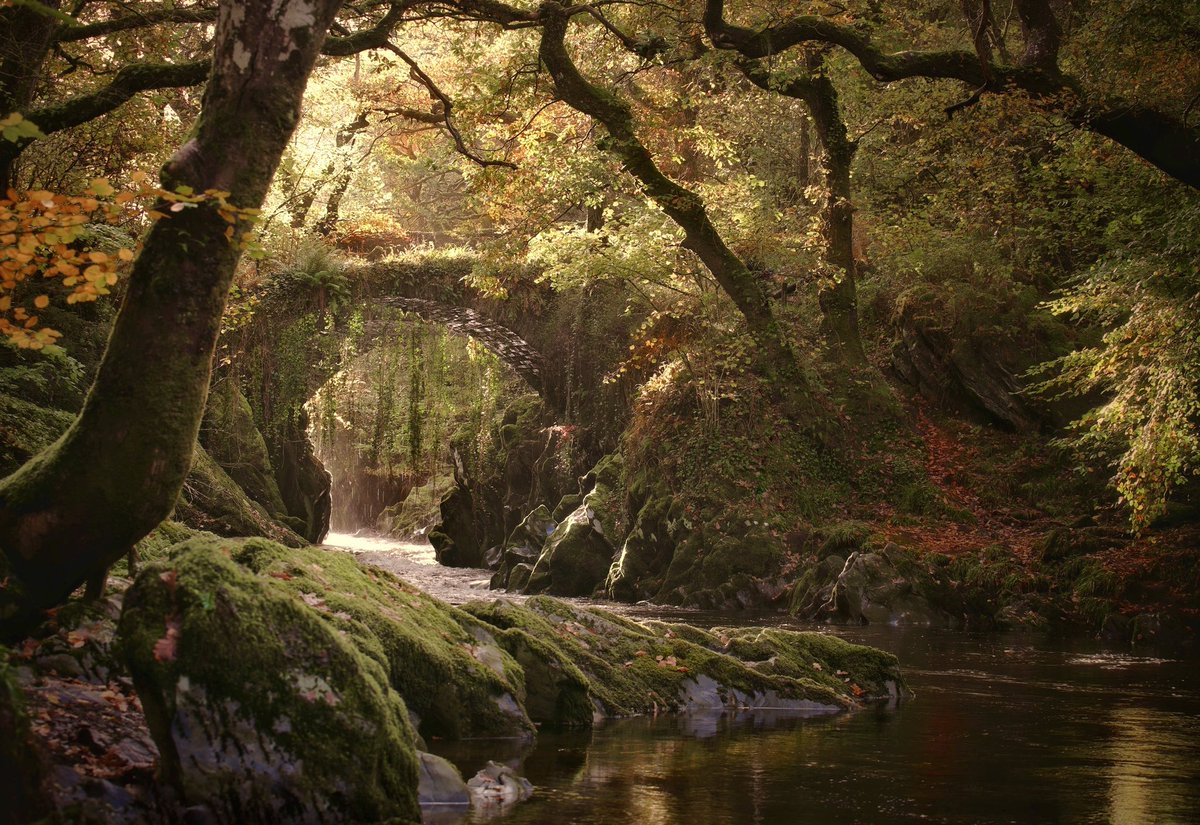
[{"x": 78, "y": 506}]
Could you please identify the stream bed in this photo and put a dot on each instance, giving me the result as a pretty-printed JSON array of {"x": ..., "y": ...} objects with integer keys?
[{"x": 1003, "y": 728}]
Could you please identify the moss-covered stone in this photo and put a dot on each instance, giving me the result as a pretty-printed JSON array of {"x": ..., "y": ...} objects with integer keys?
[
  {"x": 521, "y": 549},
  {"x": 261, "y": 710},
  {"x": 230, "y": 436},
  {"x": 214, "y": 502},
  {"x": 575, "y": 559},
  {"x": 448, "y": 666},
  {"x": 630, "y": 667},
  {"x": 605, "y": 497}
]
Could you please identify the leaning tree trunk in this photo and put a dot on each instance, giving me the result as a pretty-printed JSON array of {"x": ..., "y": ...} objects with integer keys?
[
  {"x": 74, "y": 509},
  {"x": 777, "y": 361}
]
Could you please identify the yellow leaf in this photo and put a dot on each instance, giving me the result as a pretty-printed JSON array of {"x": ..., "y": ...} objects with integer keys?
[
  {"x": 101, "y": 187},
  {"x": 125, "y": 254},
  {"x": 41, "y": 301}
]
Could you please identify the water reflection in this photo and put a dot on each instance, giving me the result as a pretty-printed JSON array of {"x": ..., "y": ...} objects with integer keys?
[{"x": 1004, "y": 729}]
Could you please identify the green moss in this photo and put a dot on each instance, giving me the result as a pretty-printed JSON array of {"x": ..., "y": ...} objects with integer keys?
[
  {"x": 213, "y": 501},
  {"x": 233, "y": 440},
  {"x": 25, "y": 429},
  {"x": 238, "y": 676},
  {"x": 631, "y": 667},
  {"x": 444, "y": 663}
]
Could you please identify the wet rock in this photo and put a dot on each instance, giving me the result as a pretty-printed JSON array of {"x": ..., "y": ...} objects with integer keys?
[
  {"x": 440, "y": 783},
  {"x": 262, "y": 711},
  {"x": 499, "y": 785}
]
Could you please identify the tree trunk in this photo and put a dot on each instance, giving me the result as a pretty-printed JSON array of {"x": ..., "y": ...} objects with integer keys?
[
  {"x": 25, "y": 38},
  {"x": 777, "y": 361},
  {"x": 838, "y": 299},
  {"x": 116, "y": 473}
]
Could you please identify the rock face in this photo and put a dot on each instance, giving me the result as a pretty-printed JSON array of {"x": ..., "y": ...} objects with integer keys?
[
  {"x": 571, "y": 557},
  {"x": 231, "y": 437},
  {"x": 212, "y": 501},
  {"x": 523, "y": 468},
  {"x": 575, "y": 558},
  {"x": 304, "y": 483},
  {"x": 513, "y": 561},
  {"x": 261, "y": 710}
]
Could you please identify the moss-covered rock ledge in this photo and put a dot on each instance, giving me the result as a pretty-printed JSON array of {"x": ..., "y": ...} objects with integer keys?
[{"x": 297, "y": 683}]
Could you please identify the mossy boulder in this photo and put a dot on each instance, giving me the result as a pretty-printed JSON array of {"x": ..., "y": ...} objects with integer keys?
[
  {"x": 231, "y": 437},
  {"x": 213, "y": 501},
  {"x": 639, "y": 569},
  {"x": 453, "y": 675},
  {"x": 871, "y": 589},
  {"x": 575, "y": 559},
  {"x": 604, "y": 497},
  {"x": 522, "y": 547},
  {"x": 261, "y": 709},
  {"x": 633, "y": 667}
]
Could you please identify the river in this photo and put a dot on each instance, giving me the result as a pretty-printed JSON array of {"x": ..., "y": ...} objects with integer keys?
[{"x": 1003, "y": 728}]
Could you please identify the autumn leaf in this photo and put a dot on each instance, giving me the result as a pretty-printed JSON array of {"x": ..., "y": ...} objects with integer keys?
[{"x": 166, "y": 647}]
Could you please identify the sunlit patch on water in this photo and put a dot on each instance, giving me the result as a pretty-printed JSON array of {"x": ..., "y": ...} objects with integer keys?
[
  {"x": 1114, "y": 661},
  {"x": 417, "y": 553}
]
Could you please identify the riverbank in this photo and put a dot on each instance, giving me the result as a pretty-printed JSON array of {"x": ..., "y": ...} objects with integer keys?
[{"x": 127, "y": 716}]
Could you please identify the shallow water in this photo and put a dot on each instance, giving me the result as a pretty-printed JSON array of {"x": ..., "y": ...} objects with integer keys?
[{"x": 1004, "y": 728}]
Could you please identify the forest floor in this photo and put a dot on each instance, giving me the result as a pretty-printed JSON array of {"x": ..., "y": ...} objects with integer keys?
[{"x": 1004, "y": 494}]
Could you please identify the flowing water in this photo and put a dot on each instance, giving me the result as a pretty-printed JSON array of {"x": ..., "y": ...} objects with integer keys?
[{"x": 1004, "y": 728}]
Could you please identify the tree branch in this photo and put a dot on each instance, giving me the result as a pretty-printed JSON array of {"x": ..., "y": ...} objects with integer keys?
[
  {"x": 446, "y": 106},
  {"x": 82, "y": 31},
  {"x": 1161, "y": 139}
]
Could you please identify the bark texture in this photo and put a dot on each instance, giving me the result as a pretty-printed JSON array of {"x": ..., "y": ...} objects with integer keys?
[{"x": 116, "y": 473}]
